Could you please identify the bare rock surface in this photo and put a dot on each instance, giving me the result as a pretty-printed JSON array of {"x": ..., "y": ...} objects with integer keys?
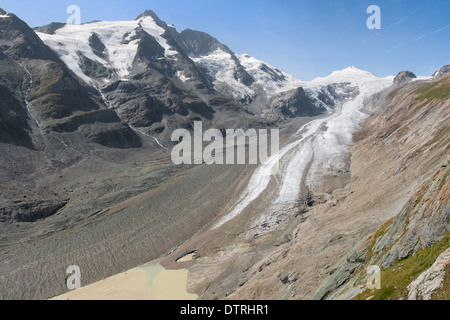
[{"x": 431, "y": 280}]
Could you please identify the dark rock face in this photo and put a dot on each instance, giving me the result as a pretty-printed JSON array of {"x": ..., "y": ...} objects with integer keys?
[
  {"x": 117, "y": 135},
  {"x": 295, "y": 103},
  {"x": 301, "y": 103},
  {"x": 31, "y": 211},
  {"x": 149, "y": 49},
  {"x": 200, "y": 43},
  {"x": 94, "y": 69},
  {"x": 276, "y": 75},
  {"x": 19, "y": 41},
  {"x": 422, "y": 222},
  {"x": 72, "y": 123},
  {"x": 404, "y": 77},
  {"x": 14, "y": 126},
  {"x": 50, "y": 28},
  {"x": 55, "y": 94},
  {"x": 97, "y": 45}
]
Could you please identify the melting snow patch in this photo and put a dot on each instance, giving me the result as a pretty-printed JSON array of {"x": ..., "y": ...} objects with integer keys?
[{"x": 181, "y": 76}]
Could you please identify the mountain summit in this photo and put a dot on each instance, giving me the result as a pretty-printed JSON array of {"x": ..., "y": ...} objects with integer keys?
[
  {"x": 350, "y": 74},
  {"x": 148, "y": 13}
]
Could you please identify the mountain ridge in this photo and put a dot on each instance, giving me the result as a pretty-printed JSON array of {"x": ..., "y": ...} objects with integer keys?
[{"x": 190, "y": 63}]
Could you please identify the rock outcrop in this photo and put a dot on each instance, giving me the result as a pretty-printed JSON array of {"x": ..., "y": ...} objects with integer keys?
[
  {"x": 430, "y": 280},
  {"x": 295, "y": 103},
  {"x": 404, "y": 77},
  {"x": 442, "y": 72}
]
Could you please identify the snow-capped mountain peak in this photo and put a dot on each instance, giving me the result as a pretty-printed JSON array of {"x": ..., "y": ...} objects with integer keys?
[
  {"x": 119, "y": 39},
  {"x": 350, "y": 74}
]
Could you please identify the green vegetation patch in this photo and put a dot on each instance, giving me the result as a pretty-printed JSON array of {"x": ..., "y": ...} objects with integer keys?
[
  {"x": 50, "y": 106},
  {"x": 51, "y": 75},
  {"x": 395, "y": 280},
  {"x": 437, "y": 90},
  {"x": 378, "y": 235}
]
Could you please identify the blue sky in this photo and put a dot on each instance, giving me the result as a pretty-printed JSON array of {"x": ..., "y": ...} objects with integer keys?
[{"x": 305, "y": 38}]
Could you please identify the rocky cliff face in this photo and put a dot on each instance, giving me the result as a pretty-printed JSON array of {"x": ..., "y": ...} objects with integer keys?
[
  {"x": 404, "y": 247},
  {"x": 295, "y": 103},
  {"x": 418, "y": 233}
]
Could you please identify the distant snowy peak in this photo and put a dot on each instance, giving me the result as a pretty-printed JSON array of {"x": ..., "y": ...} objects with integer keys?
[{"x": 350, "y": 75}]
